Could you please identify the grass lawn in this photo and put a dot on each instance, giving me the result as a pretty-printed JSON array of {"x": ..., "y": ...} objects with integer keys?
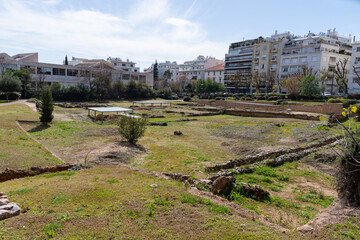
[
  {"x": 17, "y": 150},
  {"x": 110, "y": 202},
  {"x": 113, "y": 203}
]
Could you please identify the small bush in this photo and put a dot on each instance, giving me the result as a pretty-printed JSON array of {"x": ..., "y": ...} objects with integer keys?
[
  {"x": 334, "y": 100},
  {"x": 132, "y": 128},
  {"x": 349, "y": 102},
  {"x": 187, "y": 99}
]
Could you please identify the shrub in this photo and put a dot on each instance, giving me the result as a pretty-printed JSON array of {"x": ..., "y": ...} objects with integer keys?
[
  {"x": 187, "y": 99},
  {"x": 132, "y": 128},
  {"x": 46, "y": 106},
  {"x": 349, "y": 102},
  {"x": 334, "y": 100}
]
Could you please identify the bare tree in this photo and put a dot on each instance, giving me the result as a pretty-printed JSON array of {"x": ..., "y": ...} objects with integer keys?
[
  {"x": 357, "y": 79},
  {"x": 239, "y": 79},
  {"x": 341, "y": 74}
]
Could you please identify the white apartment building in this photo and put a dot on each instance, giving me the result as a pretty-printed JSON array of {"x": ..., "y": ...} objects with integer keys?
[
  {"x": 317, "y": 52},
  {"x": 173, "y": 67},
  {"x": 215, "y": 73},
  {"x": 354, "y": 68},
  {"x": 78, "y": 71},
  {"x": 195, "y": 69}
]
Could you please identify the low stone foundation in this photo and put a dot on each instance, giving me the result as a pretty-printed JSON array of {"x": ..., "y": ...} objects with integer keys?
[{"x": 10, "y": 174}]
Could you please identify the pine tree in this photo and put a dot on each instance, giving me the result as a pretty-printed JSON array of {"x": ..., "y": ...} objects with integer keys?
[
  {"x": 66, "y": 60},
  {"x": 46, "y": 106}
]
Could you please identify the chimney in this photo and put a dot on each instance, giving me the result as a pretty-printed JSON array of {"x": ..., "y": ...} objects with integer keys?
[{"x": 276, "y": 32}]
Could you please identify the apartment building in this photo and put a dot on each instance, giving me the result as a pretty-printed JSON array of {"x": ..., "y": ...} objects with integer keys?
[
  {"x": 215, "y": 73},
  {"x": 195, "y": 69},
  {"x": 239, "y": 61},
  {"x": 266, "y": 61},
  {"x": 78, "y": 71},
  {"x": 317, "y": 52},
  {"x": 173, "y": 67},
  {"x": 354, "y": 80}
]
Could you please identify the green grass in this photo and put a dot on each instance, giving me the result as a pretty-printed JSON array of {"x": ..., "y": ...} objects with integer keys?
[
  {"x": 81, "y": 208},
  {"x": 16, "y": 149}
]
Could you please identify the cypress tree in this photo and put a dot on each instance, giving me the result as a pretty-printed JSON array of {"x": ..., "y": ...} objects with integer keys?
[
  {"x": 46, "y": 106},
  {"x": 156, "y": 71},
  {"x": 66, "y": 60}
]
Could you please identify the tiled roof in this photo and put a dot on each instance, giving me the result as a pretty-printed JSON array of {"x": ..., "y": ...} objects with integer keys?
[{"x": 219, "y": 67}]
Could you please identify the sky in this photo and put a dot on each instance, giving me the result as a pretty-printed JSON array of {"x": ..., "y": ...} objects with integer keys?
[{"x": 148, "y": 30}]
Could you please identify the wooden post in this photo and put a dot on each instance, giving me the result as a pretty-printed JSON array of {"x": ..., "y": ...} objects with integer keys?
[{"x": 102, "y": 117}]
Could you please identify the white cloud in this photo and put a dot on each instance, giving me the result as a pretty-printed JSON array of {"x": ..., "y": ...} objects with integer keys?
[{"x": 146, "y": 34}]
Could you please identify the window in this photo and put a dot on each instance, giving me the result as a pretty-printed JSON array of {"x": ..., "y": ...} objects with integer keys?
[
  {"x": 256, "y": 68},
  {"x": 263, "y": 57},
  {"x": 358, "y": 49},
  {"x": 275, "y": 47},
  {"x": 273, "y": 66},
  {"x": 293, "y": 69},
  {"x": 44, "y": 70},
  {"x": 126, "y": 76},
  {"x": 303, "y": 59},
  {"x": 274, "y": 57},
  {"x": 257, "y": 49},
  {"x": 294, "y": 60},
  {"x": 314, "y": 59},
  {"x": 59, "y": 71},
  {"x": 285, "y": 69},
  {"x": 264, "y": 48},
  {"x": 262, "y": 66},
  {"x": 286, "y": 60},
  {"x": 123, "y": 64}
]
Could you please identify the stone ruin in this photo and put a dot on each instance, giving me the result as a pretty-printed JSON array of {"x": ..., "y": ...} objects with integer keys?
[{"x": 7, "y": 209}]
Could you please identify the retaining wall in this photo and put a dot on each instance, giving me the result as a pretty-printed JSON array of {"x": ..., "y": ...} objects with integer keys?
[{"x": 324, "y": 108}]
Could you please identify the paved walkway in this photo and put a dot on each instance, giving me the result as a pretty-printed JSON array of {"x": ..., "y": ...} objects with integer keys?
[{"x": 22, "y": 101}]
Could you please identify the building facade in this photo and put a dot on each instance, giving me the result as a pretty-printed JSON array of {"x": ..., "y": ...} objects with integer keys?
[
  {"x": 354, "y": 75},
  {"x": 195, "y": 69},
  {"x": 173, "y": 67},
  {"x": 320, "y": 53},
  {"x": 260, "y": 64},
  {"x": 215, "y": 73},
  {"x": 79, "y": 71}
]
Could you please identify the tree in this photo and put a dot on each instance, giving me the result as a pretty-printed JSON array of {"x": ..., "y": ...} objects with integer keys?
[
  {"x": 46, "y": 106},
  {"x": 131, "y": 89},
  {"x": 118, "y": 89},
  {"x": 341, "y": 74},
  {"x": 9, "y": 84},
  {"x": 200, "y": 86},
  {"x": 291, "y": 85},
  {"x": 66, "y": 60},
  {"x": 257, "y": 81},
  {"x": 132, "y": 128},
  {"x": 309, "y": 86},
  {"x": 239, "y": 79},
  {"x": 156, "y": 72},
  {"x": 25, "y": 79}
]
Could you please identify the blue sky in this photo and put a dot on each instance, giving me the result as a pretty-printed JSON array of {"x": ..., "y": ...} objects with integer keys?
[{"x": 145, "y": 30}]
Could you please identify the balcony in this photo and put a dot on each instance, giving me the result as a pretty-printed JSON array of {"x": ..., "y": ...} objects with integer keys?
[
  {"x": 273, "y": 69},
  {"x": 274, "y": 49},
  {"x": 273, "y": 59}
]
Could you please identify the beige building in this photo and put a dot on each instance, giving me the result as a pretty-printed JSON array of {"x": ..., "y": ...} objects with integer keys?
[
  {"x": 215, "y": 73},
  {"x": 79, "y": 71},
  {"x": 266, "y": 62}
]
